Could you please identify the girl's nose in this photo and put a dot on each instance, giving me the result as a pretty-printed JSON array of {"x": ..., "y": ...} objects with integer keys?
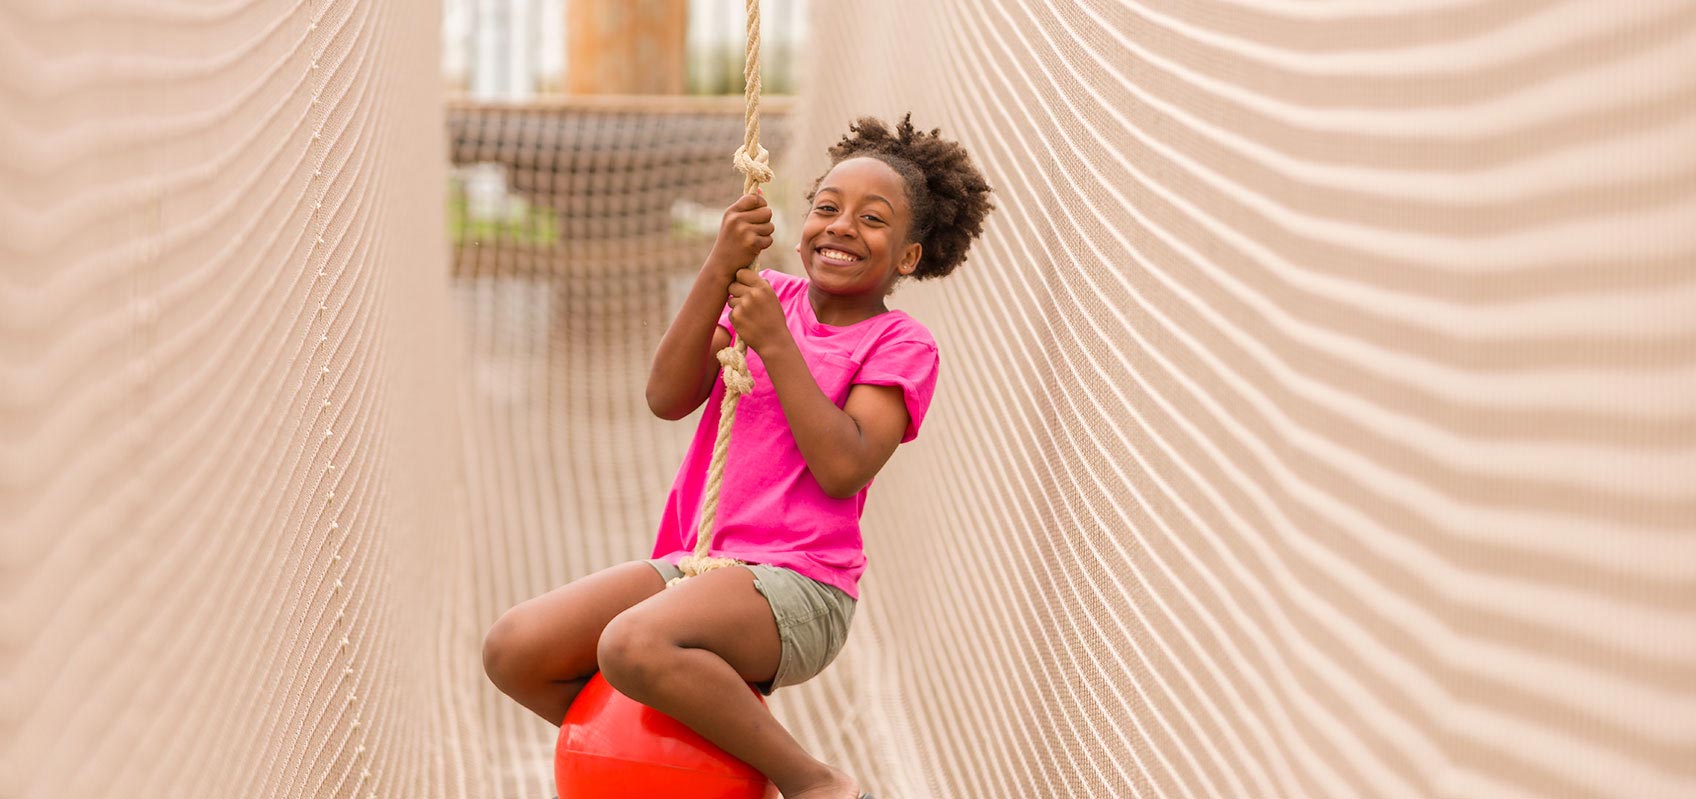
[{"x": 839, "y": 227}]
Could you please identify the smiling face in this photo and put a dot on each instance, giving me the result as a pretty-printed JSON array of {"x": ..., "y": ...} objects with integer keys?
[{"x": 854, "y": 241}]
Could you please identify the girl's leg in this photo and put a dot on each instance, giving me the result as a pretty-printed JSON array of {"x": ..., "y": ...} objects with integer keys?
[
  {"x": 542, "y": 652},
  {"x": 689, "y": 652}
]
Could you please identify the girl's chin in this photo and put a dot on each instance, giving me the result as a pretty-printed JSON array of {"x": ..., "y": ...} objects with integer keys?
[{"x": 828, "y": 279}]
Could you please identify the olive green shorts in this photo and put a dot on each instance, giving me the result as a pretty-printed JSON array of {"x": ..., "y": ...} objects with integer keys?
[{"x": 812, "y": 620}]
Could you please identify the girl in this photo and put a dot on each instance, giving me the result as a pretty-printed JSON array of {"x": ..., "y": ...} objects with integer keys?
[{"x": 840, "y": 380}]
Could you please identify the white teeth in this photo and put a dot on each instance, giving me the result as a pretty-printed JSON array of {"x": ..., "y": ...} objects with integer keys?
[{"x": 838, "y": 255}]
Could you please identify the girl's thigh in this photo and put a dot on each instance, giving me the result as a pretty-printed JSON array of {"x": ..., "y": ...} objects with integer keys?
[
  {"x": 721, "y": 611},
  {"x": 555, "y": 634},
  {"x": 784, "y": 631}
]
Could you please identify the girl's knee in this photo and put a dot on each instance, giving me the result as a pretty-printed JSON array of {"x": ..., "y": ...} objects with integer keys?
[
  {"x": 504, "y": 650},
  {"x": 630, "y": 651}
]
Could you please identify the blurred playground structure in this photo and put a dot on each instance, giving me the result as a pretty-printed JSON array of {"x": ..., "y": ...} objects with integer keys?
[
  {"x": 516, "y": 49},
  {"x": 1317, "y": 417}
]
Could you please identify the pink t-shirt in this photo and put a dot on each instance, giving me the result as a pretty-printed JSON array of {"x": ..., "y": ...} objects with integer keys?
[{"x": 771, "y": 510}]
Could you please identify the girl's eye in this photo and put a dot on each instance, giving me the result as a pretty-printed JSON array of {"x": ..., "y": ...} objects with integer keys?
[
  {"x": 826, "y": 208},
  {"x": 874, "y": 219}
]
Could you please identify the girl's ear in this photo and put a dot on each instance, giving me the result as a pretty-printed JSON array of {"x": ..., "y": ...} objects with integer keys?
[{"x": 910, "y": 258}]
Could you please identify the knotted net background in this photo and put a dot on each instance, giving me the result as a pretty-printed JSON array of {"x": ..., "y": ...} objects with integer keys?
[{"x": 1316, "y": 416}]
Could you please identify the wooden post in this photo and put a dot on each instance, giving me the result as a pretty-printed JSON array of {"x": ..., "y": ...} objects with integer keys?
[{"x": 627, "y": 46}]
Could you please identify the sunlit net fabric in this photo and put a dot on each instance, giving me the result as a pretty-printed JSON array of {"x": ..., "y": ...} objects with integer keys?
[
  {"x": 231, "y": 479},
  {"x": 1317, "y": 416}
]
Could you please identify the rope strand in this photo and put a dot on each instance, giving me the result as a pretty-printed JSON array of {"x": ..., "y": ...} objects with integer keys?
[{"x": 754, "y": 163}]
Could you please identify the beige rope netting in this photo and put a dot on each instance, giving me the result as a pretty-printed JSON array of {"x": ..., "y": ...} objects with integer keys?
[{"x": 1315, "y": 415}]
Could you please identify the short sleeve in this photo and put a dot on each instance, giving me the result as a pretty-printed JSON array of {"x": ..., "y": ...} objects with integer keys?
[{"x": 910, "y": 365}]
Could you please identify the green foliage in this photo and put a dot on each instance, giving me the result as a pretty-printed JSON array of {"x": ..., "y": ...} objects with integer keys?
[{"x": 520, "y": 223}]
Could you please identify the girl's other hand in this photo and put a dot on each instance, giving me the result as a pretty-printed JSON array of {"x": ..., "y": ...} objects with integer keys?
[
  {"x": 755, "y": 312},
  {"x": 745, "y": 231}
]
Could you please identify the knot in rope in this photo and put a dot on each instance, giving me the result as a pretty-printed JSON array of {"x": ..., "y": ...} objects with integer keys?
[
  {"x": 757, "y": 167},
  {"x": 737, "y": 378},
  {"x": 700, "y": 564}
]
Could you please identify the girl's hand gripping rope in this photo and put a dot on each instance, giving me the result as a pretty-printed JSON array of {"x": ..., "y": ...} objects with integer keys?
[
  {"x": 745, "y": 231},
  {"x": 756, "y": 313}
]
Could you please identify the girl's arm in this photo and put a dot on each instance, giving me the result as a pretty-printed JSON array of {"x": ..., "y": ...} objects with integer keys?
[
  {"x": 685, "y": 365},
  {"x": 844, "y": 447}
]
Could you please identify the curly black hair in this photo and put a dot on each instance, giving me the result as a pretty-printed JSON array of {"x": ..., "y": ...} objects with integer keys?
[{"x": 948, "y": 196}]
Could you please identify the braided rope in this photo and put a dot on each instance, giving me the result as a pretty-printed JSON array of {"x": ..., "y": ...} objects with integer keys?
[{"x": 754, "y": 163}]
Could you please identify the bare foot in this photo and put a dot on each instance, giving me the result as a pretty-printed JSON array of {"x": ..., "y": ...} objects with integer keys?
[{"x": 840, "y": 786}]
